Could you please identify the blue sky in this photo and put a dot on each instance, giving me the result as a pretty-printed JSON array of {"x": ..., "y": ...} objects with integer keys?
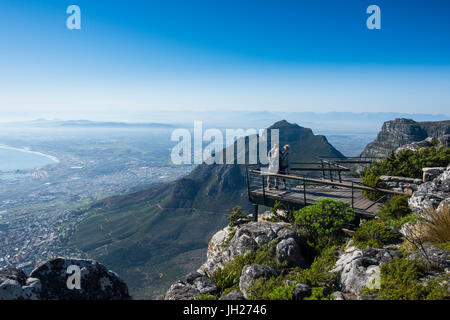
[{"x": 132, "y": 57}]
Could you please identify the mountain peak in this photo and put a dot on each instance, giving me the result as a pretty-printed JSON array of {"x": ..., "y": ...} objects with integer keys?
[{"x": 283, "y": 124}]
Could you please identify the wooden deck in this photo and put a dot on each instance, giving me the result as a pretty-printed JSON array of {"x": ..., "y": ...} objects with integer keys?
[
  {"x": 295, "y": 198},
  {"x": 303, "y": 191}
]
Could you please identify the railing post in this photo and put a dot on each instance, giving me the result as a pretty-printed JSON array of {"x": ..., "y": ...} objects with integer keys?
[
  {"x": 353, "y": 206},
  {"x": 339, "y": 172},
  {"x": 331, "y": 172},
  {"x": 255, "y": 212},
  {"x": 263, "y": 190},
  {"x": 304, "y": 192},
  {"x": 248, "y": 182},
  {"x": 323, "y": 169}
]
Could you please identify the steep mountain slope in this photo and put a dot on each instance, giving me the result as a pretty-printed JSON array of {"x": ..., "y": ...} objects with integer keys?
[
  {"x": 154, "y": 236},
  {"x": 398, "y": 132}
]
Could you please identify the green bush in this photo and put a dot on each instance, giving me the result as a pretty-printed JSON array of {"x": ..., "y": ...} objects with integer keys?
[
  {"x": 281, "y": 293},
  {"x": 374, "y": 234},
  {"x": 400, "y": 281},
  {"x": 324, "y": 220},
  {"x": 318, "y": 274},
  {"x": 270, "y": 289},
  {"x": 228, "y": 277},
  {"x": 370, "y": 179},
  {"x": 319, "y": 293},
  {"x": 237, "y": 214},
  {"x": 407, "y": 163},
  {"x": 396, "y": 208}
]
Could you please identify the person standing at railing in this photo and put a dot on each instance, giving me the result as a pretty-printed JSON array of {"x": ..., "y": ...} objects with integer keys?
[
  {"x": 273, "y": 157},
  {"x": 284, "y": 164}
]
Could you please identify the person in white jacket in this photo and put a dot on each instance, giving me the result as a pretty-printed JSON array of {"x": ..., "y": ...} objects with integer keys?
[{"x": 274, "y": 158}]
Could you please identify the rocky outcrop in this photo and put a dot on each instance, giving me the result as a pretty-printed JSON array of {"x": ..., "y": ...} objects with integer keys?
[
  {"x": 253, "y": 273},
  {"x": 233, "y": 295},
  {"x": 301, "y": 291},
  {"x": 232, "y": 241},
  {"x": 48, "y": 281},
  {"x": 229, "y": 242},
  {"x": 358, "y": 268},
  {"x": 402, "y": 184},
  {"x": 439, "y": 259},
  {"x": 400, "y": 132},
  {"x": 14, "y": 285},
  {"x": 193, "y": 285},
  {"x": 431, "y": 194}
]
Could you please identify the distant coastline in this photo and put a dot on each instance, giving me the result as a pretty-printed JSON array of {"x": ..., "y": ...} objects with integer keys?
[{"x": 53, "y": 158}]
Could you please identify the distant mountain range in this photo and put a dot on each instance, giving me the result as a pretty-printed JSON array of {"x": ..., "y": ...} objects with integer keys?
[
  {"x": 326, "y": 123},
  {"x": 87, "y": 123},
  {"x": 153, "y": 236}
]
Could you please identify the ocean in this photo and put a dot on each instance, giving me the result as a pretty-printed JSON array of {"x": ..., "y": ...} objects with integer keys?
[{"x": 16, "y": 159}]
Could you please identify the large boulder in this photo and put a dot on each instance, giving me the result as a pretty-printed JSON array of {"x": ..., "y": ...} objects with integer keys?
[
  {"x": 301, "y": 291},
  {"x": 232, "y": 241},
  {"x": 431, "y": 194},
  {"x": 49, "y": 281},
  {"x": 253, "y": 273},
  {"x": 358, "y": 268},
  {"x": 193, "y": 285},
  {"x": 233, "y": 295},
  {"x": 288, "y": 251},
  {"x": 438, "y": 259},
  {"x": 96, "y": 281},
  {"x": 14, "y": 285}
]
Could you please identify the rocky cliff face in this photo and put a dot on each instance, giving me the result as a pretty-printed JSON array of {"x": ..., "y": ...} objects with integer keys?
[
  {"x": 48, "y": 281},
  {"x": 400, "y": 132}
]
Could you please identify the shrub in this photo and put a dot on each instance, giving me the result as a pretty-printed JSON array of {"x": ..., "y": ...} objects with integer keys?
[
  {"x": 270, "y": 289},
  {"x": 400, "y": 281},
  {"x": 324, "y": 220},
  {"x": 370, "y": 179},
  {"x": 409, "y": 163},
  {"x": 237, "y": 214},
  {"x": 374, "y": 234},
  {"x": 228, "y": 276},
  {"x": 318, "y": 274},
  {"x": 318, "y": 293},
  {"x": 396, "y": 208},
  {"x": 437, "y": 226}
]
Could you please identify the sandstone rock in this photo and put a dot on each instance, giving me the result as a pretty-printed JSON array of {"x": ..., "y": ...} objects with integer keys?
[
  {"x": 438, "y": 258},
  {"x": 97, "y": 282},
  {"x": 193, "y": 285},
  {"x": 233, "y": 295},
  {"x": 252, "y": 273},
  {"x": 289, "y": 251},
  {"x": 338, "y": 295},
  {"x": 431, "y": 194},
  {"x": 400, "y": 132},
  {"x": 181, "y": 291},
  {"x": 301, "y": 291},
  {"x": 225, "y": 245},
  {"x": 429, "y": 174},
  {"x": 357, "y": 268}
]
